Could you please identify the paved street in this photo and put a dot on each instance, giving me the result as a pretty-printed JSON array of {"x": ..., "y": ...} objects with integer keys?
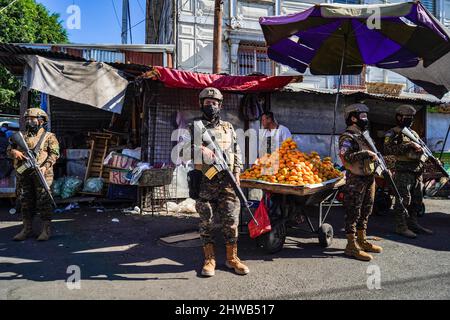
[{"x": 125, "y": 260}]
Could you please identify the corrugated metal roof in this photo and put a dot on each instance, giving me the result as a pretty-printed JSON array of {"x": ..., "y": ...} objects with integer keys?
[
  {"x": 103, "y": 55},
  {"x": 150, "y": 48},
  {"x": 404, "y": 96},
  {"x": 10, "y": 55},
  {"x": 23, "y": 50}
]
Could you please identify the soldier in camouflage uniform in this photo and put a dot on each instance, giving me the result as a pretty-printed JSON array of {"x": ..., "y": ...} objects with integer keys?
[
  {"x": 359, "y": 190},
  {"x": 408, "y": 173},
  {"x": 32, "y": 196},
  {"x": 217, "y": 197}
]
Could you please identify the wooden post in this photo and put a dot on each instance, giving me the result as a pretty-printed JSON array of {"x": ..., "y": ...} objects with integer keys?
[
  {"x": 217, "y": 42},
  {"x": 23, "y": 106}
]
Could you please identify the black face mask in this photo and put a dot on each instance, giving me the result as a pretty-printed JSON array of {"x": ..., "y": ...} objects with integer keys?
[
  {"x": 406, "y": 122},
  {"x": 363, "y": 124},
  {"x": 32, "y": 127},
  {"x": 211, "y": 111}
]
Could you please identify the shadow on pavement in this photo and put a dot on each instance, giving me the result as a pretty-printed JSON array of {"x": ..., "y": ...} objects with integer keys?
[{"x": 129, "y": 249}]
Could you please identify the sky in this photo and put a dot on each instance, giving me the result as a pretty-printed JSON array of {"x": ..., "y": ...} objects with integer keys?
[{"x": 98, "y": 21}]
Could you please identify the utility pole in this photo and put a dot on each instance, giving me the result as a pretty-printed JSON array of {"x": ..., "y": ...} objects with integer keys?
[
  {"x": 217, "y": 42},
  {"x": 153, "y": 18},
  {"x": 125, "y": 6}
]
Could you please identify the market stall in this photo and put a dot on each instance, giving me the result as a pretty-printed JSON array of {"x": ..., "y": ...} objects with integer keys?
[{"x": 170, "y": 99}]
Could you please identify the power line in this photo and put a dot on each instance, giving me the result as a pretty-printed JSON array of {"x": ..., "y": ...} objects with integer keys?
[
  {"x": 115, "y": 12},
  {"x": 140, "y": 6},
  {"x": 136, "y": 25},
  {"x": 7, "y": 6},
  {"x": 129, "y": 22}
]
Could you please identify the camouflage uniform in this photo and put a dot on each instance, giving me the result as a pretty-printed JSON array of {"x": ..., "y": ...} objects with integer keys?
[
  {"x": 359, "y": 190},
  {"x": 33, "y": 197},
  {"x": 408, "y": 176},
  {"x": 217, "y": 195}
]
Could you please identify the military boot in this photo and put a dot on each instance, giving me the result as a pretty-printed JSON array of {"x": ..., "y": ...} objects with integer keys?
[
  {"x": 210, "y": 260},
  {"x": 402, "y": 229},
  {"x": 233, "y": 261},
  {"x": 414, "y": 226},
  {"x": 25, "y": 232},
  {"x": 353, "y": 250},
  {"x": 361, "y": 240},
  {"x": 45, "y": 234}
]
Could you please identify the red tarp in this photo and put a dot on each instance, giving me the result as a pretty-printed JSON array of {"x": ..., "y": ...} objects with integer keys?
[{"x": 191, "y": 80}]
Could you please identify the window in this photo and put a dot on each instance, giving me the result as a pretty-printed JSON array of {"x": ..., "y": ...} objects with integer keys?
[
  {"x": 254, "y": 59},
  {"x": 430, "y": 5},
  {"x": 446, "y": 18}
]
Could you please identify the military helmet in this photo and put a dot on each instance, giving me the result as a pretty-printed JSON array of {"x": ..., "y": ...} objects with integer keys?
[
  {"x": 406, "y": 110},
  {"x": 356, "y": 107},
  {"x": 36, "y": 112},
  {"x": 211, "y": 93}
]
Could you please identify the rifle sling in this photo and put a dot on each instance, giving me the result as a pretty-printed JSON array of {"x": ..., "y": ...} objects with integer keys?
[{"x": 40, "y": 143}]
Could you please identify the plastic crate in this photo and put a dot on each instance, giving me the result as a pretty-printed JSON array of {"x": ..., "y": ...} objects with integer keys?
[
  {"x": 121, "y": 192},
  {"x": 156, "y": 177}
]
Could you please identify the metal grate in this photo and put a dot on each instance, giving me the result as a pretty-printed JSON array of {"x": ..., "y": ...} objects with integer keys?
[
  {"x": 162, "y": 119},
  {"x": 254, "y": 59}
]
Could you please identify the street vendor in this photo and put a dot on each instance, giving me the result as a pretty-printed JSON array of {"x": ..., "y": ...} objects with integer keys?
[
  {"x": 216, "y": 196},
  {"x": 408, "y": 173},
  {"x": 359, "y": 189},
  {"x": 33, "y": 197},
  {"x": 272, "y": 134}
]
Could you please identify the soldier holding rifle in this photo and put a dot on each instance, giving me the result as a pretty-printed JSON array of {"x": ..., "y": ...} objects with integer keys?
[
  {"x": 34, "y": 150},
  {"x": 409, "y": 167}
]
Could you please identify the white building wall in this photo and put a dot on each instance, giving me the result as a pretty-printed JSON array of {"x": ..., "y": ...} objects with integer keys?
[{"x": 240, "y": 23}]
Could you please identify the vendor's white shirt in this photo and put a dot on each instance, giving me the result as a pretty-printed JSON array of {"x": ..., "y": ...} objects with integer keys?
[{"x": 277, "y": 136}]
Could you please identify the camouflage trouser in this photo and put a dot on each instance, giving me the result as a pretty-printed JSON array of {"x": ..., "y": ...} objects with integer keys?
[
  {"x": 410, "y": 186},
  {"x": 218, "y": 199},
  {"x": 359, "y": 195},
  {"x": 33, "y": 197}
]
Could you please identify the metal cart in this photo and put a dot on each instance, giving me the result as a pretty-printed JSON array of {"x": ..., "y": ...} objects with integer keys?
[{"x": 290, "y": 206}]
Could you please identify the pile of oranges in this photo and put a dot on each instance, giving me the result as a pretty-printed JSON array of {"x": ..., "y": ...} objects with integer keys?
[{"x": 288, "y": 165}]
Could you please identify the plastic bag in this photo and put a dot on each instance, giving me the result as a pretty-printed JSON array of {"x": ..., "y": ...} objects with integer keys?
[
  {"x": 57, "y": 186},
  {"x": 93, "y": 185},
  {"x": 70, "y": 187},
  {"x": 262, "y": 216}
]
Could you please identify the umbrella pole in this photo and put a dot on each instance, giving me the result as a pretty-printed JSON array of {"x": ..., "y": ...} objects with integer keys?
[{"x": 332, "y": 146}]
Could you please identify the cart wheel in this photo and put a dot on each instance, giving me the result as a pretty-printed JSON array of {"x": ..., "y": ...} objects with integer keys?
[
  {"x": 325, "y": 235},
  {"x": 273, "y": 241},
  {"x": 421, "y": 212}
]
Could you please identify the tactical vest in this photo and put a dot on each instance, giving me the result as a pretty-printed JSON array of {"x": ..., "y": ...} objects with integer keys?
[
  {"x": 32, "y": 141},
  {"x": 223, "y": 136},
  {"x": 364, "y": 167},
  {"x": 411, "y": 155}
]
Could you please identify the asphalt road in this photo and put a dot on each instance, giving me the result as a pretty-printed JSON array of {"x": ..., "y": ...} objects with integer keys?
[{"x": 125, "y": 260}]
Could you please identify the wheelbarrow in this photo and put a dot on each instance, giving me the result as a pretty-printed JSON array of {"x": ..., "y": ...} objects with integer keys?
[{"x": 290, "y": 206}]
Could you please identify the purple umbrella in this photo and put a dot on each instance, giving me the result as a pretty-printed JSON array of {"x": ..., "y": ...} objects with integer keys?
[{"x": 337, "y": 39}]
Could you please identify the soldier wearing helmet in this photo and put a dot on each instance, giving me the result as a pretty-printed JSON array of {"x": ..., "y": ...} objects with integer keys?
[
  {"x": 32, "y": 195},
  {"x": 359, "y": 190},
  {"x": 216, "y": 199},
  {"x": 408, "y": 172}
]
